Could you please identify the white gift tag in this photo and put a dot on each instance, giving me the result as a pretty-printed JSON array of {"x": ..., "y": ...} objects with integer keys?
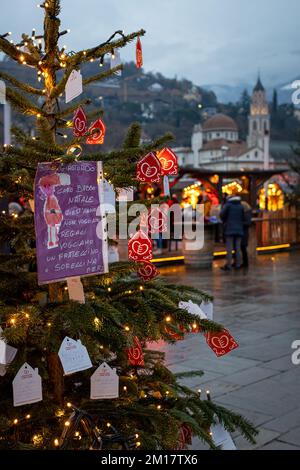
[
  {"x": 113, "y": 254},
  {"x": 75, "y": 289},
  {"x": 7, "y": 353},
  {"x": 104, "y": 383},
  {"x": 125, "y": 194},
  {"x": 27, "y": 386},
  {"x": 208, "y": 309},
  {"x": 222, "y": 438},
  {"x": 193, "y": 309},
  {"x": 108, "y": 196},
  {"x": 73, "y": 85},
  {"x": 115, "y": 60},
  {"x": 74, "y": 356},
  {"x": 166, "y": 186}
]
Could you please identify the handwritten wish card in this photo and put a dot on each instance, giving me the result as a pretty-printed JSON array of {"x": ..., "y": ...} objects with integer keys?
[
  {"x": 73, "y": 86},
  {"x": 7, "y": 353},
  {"x": 208, "y": 309},
  {"x": 27, "y": 386},
  {"x": 73, "y": 356},
  {"x": 68, "y": 221},
  {"x": 125, "y": 194},
  {"x": 193, "y": 309},
  {"x": 109, "y": 196},
  {"x": 104, "y": 383},
  {"x": 222, "y": 438}
]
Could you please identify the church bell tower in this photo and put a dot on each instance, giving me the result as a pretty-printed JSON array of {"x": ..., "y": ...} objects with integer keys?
[{"x": 259, "y": 119}]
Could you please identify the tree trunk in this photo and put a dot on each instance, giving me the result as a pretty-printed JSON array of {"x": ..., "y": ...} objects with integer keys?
[{"x": 56, "y": 377}]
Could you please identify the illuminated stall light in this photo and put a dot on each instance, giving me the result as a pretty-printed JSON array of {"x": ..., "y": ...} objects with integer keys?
[
  {"x": 274, "y": 200},
  {"x": 232, "y": 188},
  {"x": 191, "y": 194}
]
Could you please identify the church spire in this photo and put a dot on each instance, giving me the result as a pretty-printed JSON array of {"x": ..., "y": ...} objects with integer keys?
[{"x": 259, "y": 85}]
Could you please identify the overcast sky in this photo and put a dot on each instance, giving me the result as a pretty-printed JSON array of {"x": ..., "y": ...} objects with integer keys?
[{"x": 207, "y": 41}]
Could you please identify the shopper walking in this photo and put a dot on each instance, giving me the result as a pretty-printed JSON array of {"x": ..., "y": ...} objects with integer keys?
[{"x": 232, "y": 216}]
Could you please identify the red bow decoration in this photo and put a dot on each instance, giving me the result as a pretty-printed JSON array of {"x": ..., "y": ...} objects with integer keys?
[
  {"x": 156, "y": 221},
  {"x": 97, "y": 132},
  {"x": 139, "y": 53},
  {"x": 221, "y": 342},
  {"x": 135, "y": 353},
  {"x": 148, "y": 271},
  {"x": 168, "y": 161},
  {"x": 148, "y": 169},
  {"x": 80, "y": 123},
  {"x": 140, "y": 247}
]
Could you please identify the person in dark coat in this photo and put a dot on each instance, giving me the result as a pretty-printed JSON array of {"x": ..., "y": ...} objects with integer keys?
[
  {"x": 245, "y": 238},
  {"x": 232, "y": 216}
]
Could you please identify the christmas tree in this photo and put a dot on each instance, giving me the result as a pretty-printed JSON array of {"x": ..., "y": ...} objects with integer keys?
[{"x": 121, "y": 313}]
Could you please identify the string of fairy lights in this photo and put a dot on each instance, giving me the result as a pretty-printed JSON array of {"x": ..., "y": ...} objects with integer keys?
[{"x": 37, "y": 439}]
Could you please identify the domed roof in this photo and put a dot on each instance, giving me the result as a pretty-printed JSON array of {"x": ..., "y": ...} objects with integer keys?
[{"x": 220, "y": 122}]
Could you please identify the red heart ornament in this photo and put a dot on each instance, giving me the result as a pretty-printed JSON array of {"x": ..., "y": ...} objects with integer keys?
[
  {"x": 139, "y": 53},
  {"x": 97, "y": 133},
  {"x": 148, "y": 271},
  {"x": 156, "y": 221},
  {"x": 184, "y": 438},
  {"x": 148, "y": 169},
  {"x": 221, "y": 342},
  {"x": 135, "y": 353},
  {"x": 168, "y": 161},
  {"x": 174, "y": 334},
  {"x": 140, "y": 247},
  {"x": 80, "y": 123}
]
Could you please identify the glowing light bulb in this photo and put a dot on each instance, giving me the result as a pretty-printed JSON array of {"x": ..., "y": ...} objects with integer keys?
[
  {"x": 16, "y": 421},
  {"x": 69, "y": 405},
  {"x": 138, "y": 444},
  {"x": 168, "y": 319},
  {"x": 108, "y": 425},
  {"x": 12, "y": 321},
  {"x": 67, "y": 423},
  {"x": 141, "y": 287},
  {"x": 56, "y": 442},
  {"x": 125, "y": 388},
  {"x": 38, "y": 115},
  {"x": 28, "y": 416},
  {"x": 126, "y": 328},
  {"x": 109, "y": 289}
]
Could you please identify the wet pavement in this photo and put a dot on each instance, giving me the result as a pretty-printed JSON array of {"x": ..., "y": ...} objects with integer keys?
[{"x": 261, "y": 310}]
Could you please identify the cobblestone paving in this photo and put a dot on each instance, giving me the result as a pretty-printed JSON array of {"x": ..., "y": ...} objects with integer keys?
[{"x": 261, "y": 310}]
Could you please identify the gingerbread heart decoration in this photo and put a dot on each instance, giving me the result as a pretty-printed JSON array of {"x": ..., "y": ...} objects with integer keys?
[
  {"x": 184, "y": 437},
  {"x": 168, "y": 161},
  {"x": 135, "y": 353},
  {"x": 139, "y": 53},
  {"x": 140, "y": 247},
  {"x": 148, "y": 169},
  {"x": 97, "y": 133},
  {"x": 148, "y": 271},
  {"x": 80, "y": 123},
  {"x": 156, "y": 220},
  {"x": 221, "y": 342},
  {"x": 173, "y": 332}
]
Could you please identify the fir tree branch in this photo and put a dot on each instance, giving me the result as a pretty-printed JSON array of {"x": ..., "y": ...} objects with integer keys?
[
  {"x": 103, "y": 75},
  {"x": 21, "y": 85}
]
